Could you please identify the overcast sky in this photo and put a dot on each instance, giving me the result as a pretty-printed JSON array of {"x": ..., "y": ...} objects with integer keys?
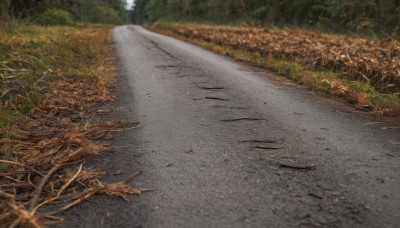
[{"x": 130, "y": 2}]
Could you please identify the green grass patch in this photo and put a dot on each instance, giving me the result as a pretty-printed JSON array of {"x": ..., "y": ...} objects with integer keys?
[
  {"x": 7, "y": 116},
  {"x": 31, "y": 56}
]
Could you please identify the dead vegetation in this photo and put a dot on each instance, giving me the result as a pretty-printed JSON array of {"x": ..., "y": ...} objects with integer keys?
[
  {"x": 364, "y": 71},
  {"x": 373, "y": 60},
  {"x": 50, "y": 78}
]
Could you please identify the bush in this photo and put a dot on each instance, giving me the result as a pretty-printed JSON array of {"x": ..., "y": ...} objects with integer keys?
[
  {"x": 104, "y": 14},
  {"x": 55, "y": 16}
]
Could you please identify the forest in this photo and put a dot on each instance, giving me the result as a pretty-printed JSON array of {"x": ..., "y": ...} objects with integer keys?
[
  {"x": 362, "y": 16},
  {"x": 63, "y": 12}
]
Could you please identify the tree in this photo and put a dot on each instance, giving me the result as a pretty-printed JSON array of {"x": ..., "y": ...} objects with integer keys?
[
  {"x": 138, "y": 15},
  {"x": 379, "y": 16},
  {"x": 156, "y": 9},
  {"x": 97, "y": 11},
  {"x": 4, "y": 7}
]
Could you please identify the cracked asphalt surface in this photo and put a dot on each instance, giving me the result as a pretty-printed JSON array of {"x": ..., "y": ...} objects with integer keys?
[{"x": 222, "y": 145}]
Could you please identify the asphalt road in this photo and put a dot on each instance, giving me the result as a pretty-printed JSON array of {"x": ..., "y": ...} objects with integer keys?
[{"x": 223, "y": 145}]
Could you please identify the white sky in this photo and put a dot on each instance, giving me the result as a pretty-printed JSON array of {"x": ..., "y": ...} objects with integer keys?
[{"x": 130, "y": 2}]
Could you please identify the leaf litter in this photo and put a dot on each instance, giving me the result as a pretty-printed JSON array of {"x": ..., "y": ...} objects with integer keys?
[
  {"x": 43, "y": 153},
  {"x": 376, "y": 61},
  {"x": 49, "y": 150}
]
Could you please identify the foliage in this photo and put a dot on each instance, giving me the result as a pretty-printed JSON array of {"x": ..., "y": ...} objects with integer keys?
[
  {"x": 138, "y": 14},
  {"x": 156, "y": 9},
  {"x": 55, "y": 16},
  {"x": 362, "y": 16},
  {"x": 104, "y": 14},
  {"x": 43, "y": 11}
]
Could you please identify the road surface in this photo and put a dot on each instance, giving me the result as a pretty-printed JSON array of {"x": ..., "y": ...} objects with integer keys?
[{"x": 223, "y": 145}]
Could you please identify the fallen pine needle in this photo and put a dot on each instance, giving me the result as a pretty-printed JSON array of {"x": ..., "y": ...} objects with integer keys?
[
  {"x": 10, "y": 162},
  {"x": 38, "y": 190}
]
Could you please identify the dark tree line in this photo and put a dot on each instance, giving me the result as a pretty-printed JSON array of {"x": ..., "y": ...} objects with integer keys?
[
  {"x": 335, "y": 15},
  {"x": 64, "y": 11}
]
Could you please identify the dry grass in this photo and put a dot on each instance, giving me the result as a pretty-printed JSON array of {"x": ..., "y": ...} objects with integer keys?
[
  {"x": 365, "y": 72},
  {"x": 50, "y": 78}
]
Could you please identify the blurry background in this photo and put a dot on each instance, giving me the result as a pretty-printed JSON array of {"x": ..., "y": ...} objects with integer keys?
[
  {"x": 362, "y": 16},
  {"x": 64, "y": 12}
]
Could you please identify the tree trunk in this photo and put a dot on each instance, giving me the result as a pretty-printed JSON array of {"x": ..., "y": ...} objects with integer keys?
[{"x": 4, "y": 6}]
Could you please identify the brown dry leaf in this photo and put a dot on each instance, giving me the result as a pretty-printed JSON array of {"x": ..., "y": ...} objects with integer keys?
[{"x": 189, "y": 151}]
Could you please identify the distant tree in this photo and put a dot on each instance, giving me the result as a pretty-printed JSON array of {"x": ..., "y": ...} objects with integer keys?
[
  {"x": 378, "y": 16},
  {"x": 156, "y": 9},
  {"x": 4, "y": 7},
  {"x": 138, "y": 15},
  {"x": 97, "y": 11},
  {"x": 175, "y": 9},
  {"x": 55, "y": 17}
]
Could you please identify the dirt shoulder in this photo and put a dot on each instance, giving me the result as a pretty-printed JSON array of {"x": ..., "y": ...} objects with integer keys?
[{"x": 51, "y": 79}]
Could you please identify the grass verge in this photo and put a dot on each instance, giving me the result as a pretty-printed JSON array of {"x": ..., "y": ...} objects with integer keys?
[
  {"x": 360, "y": 93},
  {"x": 50, "y": 79}
]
